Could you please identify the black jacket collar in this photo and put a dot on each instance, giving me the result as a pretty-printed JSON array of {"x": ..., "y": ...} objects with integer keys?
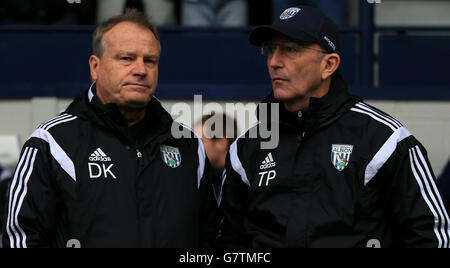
[
  {"x": 156, "y": 122},
  {"x": 322, "y": 112}
]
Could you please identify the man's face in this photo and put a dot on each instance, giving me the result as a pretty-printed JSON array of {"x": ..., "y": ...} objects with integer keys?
[
  {"x": 127, "y": 73},
  {"x": 294, "y": 69}
]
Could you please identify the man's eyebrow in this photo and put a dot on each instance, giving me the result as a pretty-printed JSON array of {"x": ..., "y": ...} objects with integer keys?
[
  {"x": 151, "y": 57},
  {"x": 128, "y": 53},
  {"x": 132, "y": 53}
]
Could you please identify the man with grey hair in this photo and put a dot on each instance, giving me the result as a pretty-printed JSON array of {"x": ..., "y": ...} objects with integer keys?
[{"x": 107, "y": 171}]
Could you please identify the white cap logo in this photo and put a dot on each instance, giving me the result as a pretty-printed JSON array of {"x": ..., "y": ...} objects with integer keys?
[
  {"x": 289, "y": 13},
  {"x": 332, "y": 45}
]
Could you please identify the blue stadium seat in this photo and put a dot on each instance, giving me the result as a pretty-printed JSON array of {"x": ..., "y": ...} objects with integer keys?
[
  {"x": 219, "y": 64},
  {"x": 44, "y": 63},
  {"x": 413, "y": 60}
]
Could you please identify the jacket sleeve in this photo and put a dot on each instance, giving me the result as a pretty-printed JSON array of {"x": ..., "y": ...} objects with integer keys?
[
  {"x": 31, "y": 207},
  {"x": 417, "y": 208},
  {"x": 233, "y": 199}
]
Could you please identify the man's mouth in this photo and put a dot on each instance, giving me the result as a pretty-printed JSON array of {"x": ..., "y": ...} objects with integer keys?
[
  {"x": 137, "y": 85},
  {"x": 279, "y": 79}
]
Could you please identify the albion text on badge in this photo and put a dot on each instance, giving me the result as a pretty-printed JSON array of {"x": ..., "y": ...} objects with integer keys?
[{"x": 340, "y": 155}]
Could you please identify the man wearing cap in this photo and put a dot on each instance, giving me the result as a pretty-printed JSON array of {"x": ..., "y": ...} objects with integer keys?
[{"x": 344, "y": 174}]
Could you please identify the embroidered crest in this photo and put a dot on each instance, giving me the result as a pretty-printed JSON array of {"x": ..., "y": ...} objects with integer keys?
[
  {"x": 340, "y": 155},
  {"x": 171, "y": 156},
  {"x": 289, "y": 13}
]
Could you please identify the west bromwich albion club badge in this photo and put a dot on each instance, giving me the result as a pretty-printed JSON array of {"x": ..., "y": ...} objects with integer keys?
[
  {"x": 340, "y": 155},
  {"x": 171, "y": 156},
  {"x": 289, "y": 13}
]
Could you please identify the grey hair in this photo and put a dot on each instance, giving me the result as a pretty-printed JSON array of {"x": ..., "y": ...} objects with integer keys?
[{"x": 131, "y": 15}]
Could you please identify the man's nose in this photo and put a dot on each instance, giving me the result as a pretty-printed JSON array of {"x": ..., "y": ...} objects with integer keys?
[
  {"x": 275, "y": 59},
  {"x": 139, "y": 68}
]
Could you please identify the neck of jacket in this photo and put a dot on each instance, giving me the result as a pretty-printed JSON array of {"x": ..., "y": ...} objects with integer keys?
[{"x": 156, "y": 123}]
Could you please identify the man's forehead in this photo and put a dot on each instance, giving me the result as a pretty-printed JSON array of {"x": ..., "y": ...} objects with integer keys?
[
  {"x": 125, "y": 32},
  {"x": 127, "y": 36}
]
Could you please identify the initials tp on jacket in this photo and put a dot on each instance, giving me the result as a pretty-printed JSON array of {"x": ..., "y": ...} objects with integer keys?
[{"x": 343, "y": 175}]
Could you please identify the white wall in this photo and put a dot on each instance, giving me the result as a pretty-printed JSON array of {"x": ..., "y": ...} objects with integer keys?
[
  {"x": 412, "y": 13},
  {"x": 428, "y": 121}
]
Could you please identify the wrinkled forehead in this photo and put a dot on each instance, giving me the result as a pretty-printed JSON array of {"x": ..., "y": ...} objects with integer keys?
[
  {"x": 127, "y": 31},
  {"x": 130, "y": 37}
]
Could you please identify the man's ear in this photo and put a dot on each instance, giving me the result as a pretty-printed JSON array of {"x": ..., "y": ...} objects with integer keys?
[
  {"x": 94, "y": 63},
  {"x": 330, "y": 63}
]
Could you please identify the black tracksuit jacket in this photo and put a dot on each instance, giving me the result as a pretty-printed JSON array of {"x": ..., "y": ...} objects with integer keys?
[
  {"x": 343, "y": 175},
  {"x": 85, "y": 179}
]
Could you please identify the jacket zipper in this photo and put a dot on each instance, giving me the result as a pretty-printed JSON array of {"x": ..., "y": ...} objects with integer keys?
[{"x": 139, "y": 156}]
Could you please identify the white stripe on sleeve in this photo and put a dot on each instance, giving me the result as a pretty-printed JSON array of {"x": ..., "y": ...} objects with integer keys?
[
  {"x": 384, "y": 153},
  {"x": 10, "y": 229},
  {"x": 429, "y": 193},
  {"x": 22, "y": 196},
  {"x": 201, "y": 155},
  {"x": 57, "y": 152},
  {"x": 60, "y": 117},
  {"x": 381, "y": 120},
  {"x": 201, "y": 159},
  {"x": 17, "y": 236},
  {"x": 70, "y": 118},
  {"x": 435, "y": 196},
  {"x": 236, "y": 163},
  {"x": 424, "y": 196},
  {"x": 366, "y": 107},
  {"x": 234, "y": 158}
]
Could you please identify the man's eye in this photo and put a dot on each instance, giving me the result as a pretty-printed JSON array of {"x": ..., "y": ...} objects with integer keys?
[
  {"x": 126, "y": 58},
  {"x": 150, "y": 61},
  {"x": 289, "y": 49}
]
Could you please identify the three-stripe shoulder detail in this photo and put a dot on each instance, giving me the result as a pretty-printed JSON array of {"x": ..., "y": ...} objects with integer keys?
[
  {"x": 58, "y": 153},
  {"x": 377, "y": 115},
  {"x": 63, "y": 118}
]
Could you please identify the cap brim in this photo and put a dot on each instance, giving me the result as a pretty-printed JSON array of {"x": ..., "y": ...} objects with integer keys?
[{"x": 263, "y": 34}]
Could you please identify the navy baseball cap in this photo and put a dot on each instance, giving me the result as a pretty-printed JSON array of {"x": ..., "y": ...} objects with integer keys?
[{"x": 303, "y": 23}]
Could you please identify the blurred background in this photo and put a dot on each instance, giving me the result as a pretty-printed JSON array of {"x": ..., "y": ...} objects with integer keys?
[{"x": 396, "y": 55}]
